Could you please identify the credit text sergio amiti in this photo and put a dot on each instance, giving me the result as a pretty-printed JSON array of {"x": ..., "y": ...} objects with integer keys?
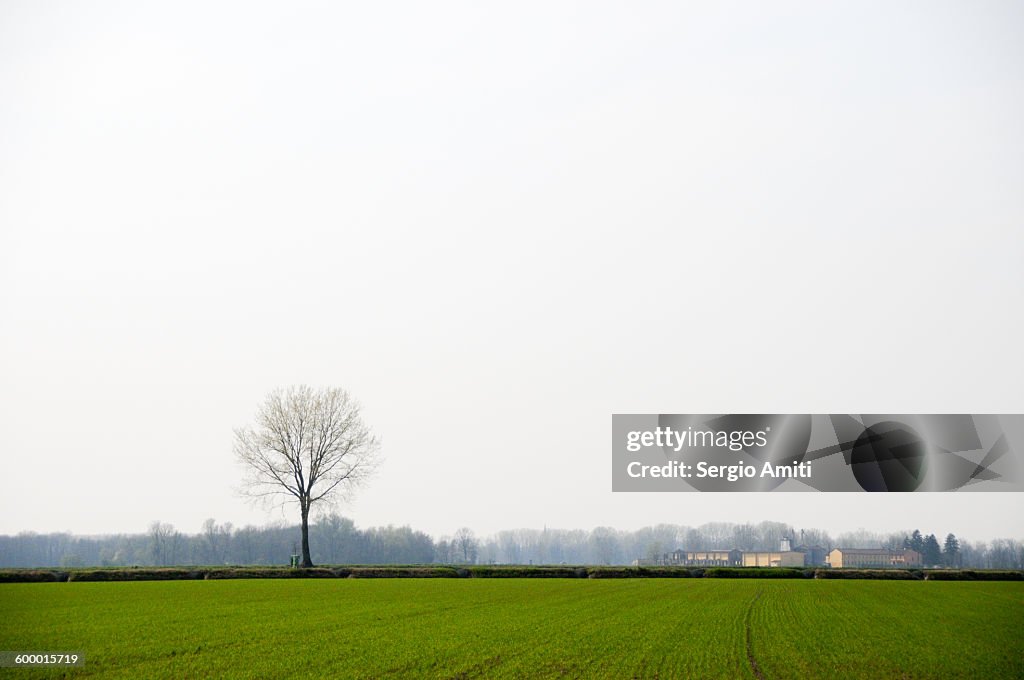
[{"x": 735, "y": 440}]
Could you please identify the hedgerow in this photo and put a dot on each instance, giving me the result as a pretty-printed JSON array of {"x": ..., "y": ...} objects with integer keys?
[
  {"x": 874, "y": 574},
  {"x": 754, "y": 572},
  {"x": 32, "y": 576},
  {"x": 491, "y": 571},
  {"x": 514, "y": 571},
  {"x": 973, "y": 575}
]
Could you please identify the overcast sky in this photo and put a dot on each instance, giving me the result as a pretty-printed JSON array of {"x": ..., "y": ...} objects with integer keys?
[{"x": 496, "y": 225}]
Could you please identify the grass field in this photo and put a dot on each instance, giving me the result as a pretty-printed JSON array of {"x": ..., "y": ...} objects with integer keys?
[{"x": 706, "y": 628}]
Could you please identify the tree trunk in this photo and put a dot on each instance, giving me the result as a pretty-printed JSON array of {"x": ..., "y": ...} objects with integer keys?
[{"x": 307, "y": 561}]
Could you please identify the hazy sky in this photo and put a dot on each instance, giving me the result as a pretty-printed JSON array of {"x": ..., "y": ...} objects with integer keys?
[{"x": 496, "y": 225}]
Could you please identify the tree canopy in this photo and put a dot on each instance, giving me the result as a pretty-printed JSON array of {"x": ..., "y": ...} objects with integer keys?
[{"x": 307, "y": 446}]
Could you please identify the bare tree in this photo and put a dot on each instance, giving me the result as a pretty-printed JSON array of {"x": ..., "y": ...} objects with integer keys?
[
  {"x": 337, "y": 533},
  {"x": 510, "y": 548},
  {"x": 161, "y": 536},
  {"x": 466, "y": 544},
  {"x": 307, "y": 446},
  {"x": 444, "y": 550},
  {"x": 605, "y": 542},
  {"x": 216, "y": 541}
]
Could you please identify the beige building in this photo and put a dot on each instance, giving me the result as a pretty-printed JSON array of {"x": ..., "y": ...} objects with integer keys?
[
  {"x": 707, "y": 558},
  {"x": 773, "y": 559},
  {"x": 875, "y": 558}
]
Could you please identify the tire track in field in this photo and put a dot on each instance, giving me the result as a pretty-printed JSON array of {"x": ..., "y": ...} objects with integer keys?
[{"x": 750, "y": 648}]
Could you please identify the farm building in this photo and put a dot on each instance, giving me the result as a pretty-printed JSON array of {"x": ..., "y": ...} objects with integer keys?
[
  {"x": 694, "y": 558},
  {"x": 707, "y": 558},
  {"x": 784, "y": 557},
  {"x": 778, "y": 558},
  {"x": 873, "y": 558}
]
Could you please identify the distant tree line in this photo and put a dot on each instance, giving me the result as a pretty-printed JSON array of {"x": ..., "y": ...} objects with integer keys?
[{"x": 336, "y": 540}]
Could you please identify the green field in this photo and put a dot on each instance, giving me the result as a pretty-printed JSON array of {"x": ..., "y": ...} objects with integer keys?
[{"x": 667, "y": 628}]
